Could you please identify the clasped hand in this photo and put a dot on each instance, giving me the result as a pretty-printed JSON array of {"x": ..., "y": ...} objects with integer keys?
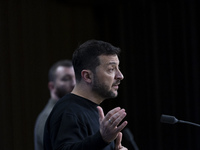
[{"x": 110, "y": 126}]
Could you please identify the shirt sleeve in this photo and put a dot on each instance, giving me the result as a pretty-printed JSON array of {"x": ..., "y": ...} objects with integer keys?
[{"x": 69, "y": 133}]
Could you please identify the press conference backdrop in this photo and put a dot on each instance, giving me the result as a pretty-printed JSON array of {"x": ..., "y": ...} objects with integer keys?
[{"x": 159, "y": 59}]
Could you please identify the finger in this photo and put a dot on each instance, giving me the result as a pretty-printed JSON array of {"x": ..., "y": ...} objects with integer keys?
[
  {"x": 111, "y": 112},
  {"x": 101, "y": 113},
  {"x": 120, "y": 116},
  {"x": 121, "y": 127},
  {"x": 118, "y": 141}
]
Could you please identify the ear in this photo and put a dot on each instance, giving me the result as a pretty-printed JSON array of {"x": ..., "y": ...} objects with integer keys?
[
  {"x": 86, "y": 75},
  {"x": 51, "y": 85}
]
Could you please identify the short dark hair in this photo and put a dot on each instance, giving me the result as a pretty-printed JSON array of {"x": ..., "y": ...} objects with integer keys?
[
  {"x": 86, "y": 55},
  {"x": 52, "y": 70}
]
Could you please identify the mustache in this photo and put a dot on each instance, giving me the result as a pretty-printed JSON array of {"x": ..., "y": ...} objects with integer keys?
[{"x": 117, "y": 82}]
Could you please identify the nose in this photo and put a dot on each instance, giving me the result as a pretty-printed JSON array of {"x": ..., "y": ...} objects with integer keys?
[{"x": 119, "y": 75}]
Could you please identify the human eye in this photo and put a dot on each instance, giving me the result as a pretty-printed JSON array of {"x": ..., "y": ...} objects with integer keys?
[
  {"x": 111, "y": 69},
  {"x": 66, "y": 78}
]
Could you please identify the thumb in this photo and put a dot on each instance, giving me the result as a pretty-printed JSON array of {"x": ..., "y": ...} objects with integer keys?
[
  {"x": 118, "y": 144},
  {"x": 101, "y": 113}
]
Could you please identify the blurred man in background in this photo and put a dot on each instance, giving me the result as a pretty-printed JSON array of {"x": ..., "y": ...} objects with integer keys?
[{"x": 61, "y": 82}]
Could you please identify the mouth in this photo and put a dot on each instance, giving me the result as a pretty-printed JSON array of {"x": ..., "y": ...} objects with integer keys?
[{"x": 116, "y": 85}]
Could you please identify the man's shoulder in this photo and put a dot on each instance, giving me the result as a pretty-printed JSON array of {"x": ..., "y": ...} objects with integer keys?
[
  {"x": 70, "y": 104},
  {"x": 68, "y": 100},
  {"x": 42, "y": 116}
]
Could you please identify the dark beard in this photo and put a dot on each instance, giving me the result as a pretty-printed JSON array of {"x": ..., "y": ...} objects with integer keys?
[
  {"x": 102, "y": 90},
  {"x": 60, "y": 92}
]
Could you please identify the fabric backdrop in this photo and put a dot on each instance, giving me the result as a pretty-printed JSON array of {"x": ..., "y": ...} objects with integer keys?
[{"x": 159, "y": 59}]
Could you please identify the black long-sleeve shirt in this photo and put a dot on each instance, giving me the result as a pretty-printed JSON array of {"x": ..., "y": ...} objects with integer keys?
[{"x": 74, "y": 125}]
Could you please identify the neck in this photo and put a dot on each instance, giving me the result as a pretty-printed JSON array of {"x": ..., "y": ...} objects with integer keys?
[
  {"x": 54, "y": 96},
  {"x": 87, "y": 93}
]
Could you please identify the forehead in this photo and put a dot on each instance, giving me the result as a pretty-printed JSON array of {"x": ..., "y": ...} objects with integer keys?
[
  {"x": 108, "y": 59},
  {"x": 61, "y": 70}
]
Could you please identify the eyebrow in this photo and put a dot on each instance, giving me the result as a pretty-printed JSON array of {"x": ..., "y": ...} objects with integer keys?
[
  {"x": 112, "y": 63},
  {"x": 67, "y": 75}
]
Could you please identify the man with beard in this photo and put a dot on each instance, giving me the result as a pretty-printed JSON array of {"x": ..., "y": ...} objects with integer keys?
[
  {"x": 61, "y": 82},
  {"x": 77, "y": 122}
]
